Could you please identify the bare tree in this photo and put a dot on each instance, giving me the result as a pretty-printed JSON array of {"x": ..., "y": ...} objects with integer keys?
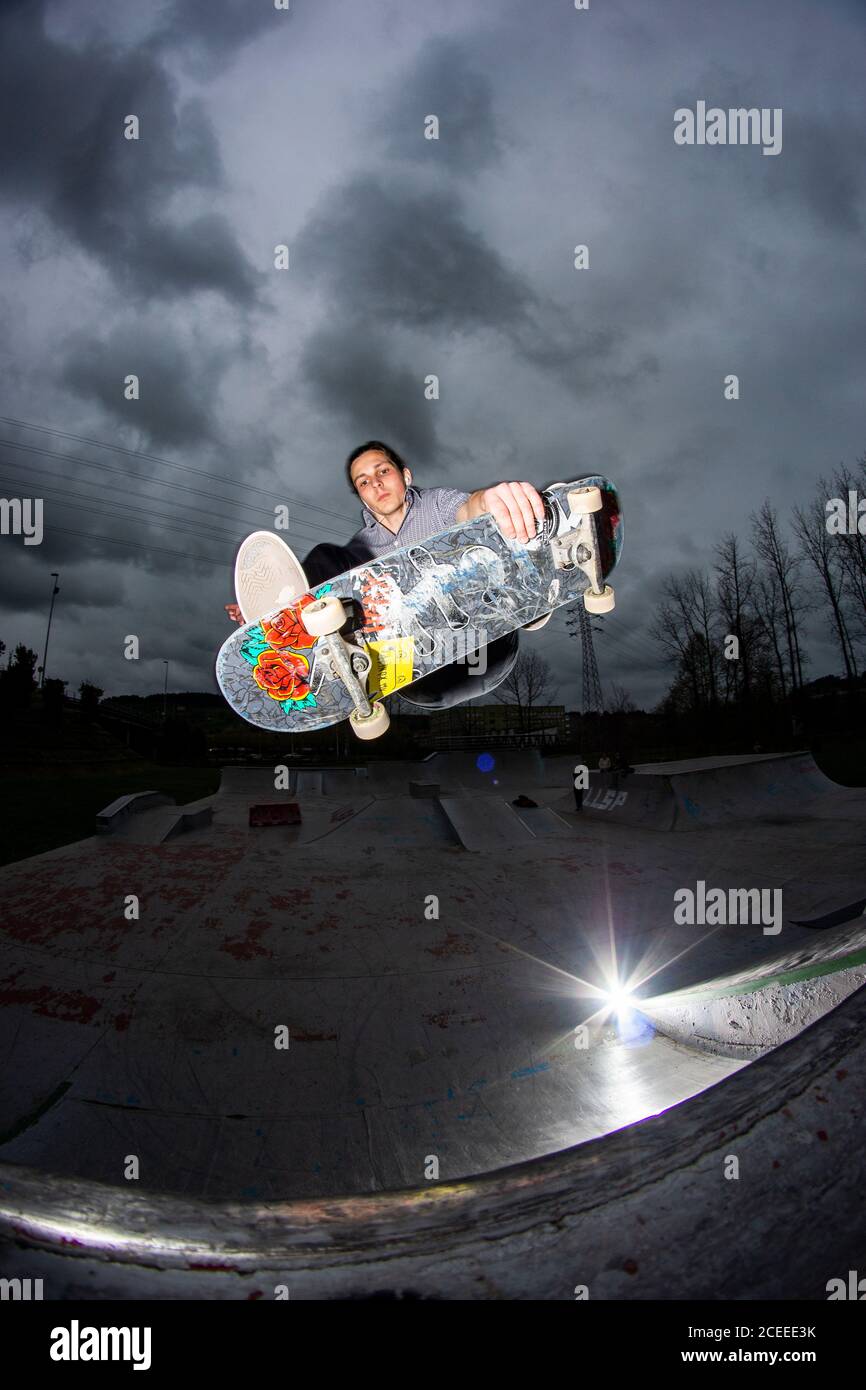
[
  {"x": 619, "y": 701},
  {"x": 768, "y": 605},
  {"x": 685, "y": 624},
  {"x": 735, "y": 588},
  {"x": 852, "y": 551},
  {"x": 529, "y": 683},
  {"x": 810, "y": 528},
  {"x": 780, "y": 563}
]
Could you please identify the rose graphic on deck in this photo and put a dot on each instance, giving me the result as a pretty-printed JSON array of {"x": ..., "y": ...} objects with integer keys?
[
  {"x": 274, "y": 650},
  {"x": 285, "y": 629}
]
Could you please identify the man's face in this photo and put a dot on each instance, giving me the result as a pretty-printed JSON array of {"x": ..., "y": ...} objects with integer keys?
[{"x": 380, "y": 485}]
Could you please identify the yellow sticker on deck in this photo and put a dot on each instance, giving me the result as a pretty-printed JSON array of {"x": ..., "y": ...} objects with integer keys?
[{"x": 393, "y": 664}]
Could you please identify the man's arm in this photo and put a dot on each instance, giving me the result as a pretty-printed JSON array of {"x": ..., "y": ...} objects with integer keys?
[{"x": 516, "y": 508}]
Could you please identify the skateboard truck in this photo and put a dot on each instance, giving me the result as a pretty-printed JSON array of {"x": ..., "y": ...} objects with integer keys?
[
  {"x": 345, "y": 662},
  {"x": 573, "y": 541}
]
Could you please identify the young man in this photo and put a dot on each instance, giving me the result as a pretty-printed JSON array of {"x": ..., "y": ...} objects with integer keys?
[{"x": 396, "y": 513}]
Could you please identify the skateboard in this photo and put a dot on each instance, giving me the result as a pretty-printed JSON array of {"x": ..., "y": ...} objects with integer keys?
[{"x": 335, "y": 652}]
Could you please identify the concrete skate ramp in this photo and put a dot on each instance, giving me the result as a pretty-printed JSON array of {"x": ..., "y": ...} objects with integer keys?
[
  {"x": 746, "y": 1013},
  {"x": 342, "y": 781},
  {"x": 400, "y": 822},
  {"x": 484, "y": 823},
  {"x": 786, "y": 786},
  {"x": 544, "y": 820},
  {"x": 308, "y": 781},
  {"x": 633, "y": 800},
  {"x": 623, "y": 1210},
  {"x": 390, "y": 777},
  {"x": 558, "y": 771},
  {"x": 714, "y": 791}
]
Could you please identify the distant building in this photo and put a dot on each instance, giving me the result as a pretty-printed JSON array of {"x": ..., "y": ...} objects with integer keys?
[{"x": 469, "y": 726}]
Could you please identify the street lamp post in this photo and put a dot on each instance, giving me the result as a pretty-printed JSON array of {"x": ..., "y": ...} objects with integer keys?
[
  {"x": 55, "y": 590},
  {"x": 165, "y": 694}
]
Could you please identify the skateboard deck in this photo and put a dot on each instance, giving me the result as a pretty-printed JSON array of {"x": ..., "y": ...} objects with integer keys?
[{"x": 423, "y": 606}]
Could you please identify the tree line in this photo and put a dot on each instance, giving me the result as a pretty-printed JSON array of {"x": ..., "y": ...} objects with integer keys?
[{"x": 735, "y": 633}]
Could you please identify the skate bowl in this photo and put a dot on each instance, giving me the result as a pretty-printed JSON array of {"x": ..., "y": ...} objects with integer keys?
[
  {"x": 616, "y": 1216},
  {"x": 675, "y": 796},
  {"x": 709, "y": 792}
]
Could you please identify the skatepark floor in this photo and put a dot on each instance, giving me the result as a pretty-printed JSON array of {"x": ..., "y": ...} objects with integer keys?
[{"x": 402, "y": 979}]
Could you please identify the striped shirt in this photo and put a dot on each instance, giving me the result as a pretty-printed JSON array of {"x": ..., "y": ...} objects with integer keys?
[{"x": 429, "y": 510}]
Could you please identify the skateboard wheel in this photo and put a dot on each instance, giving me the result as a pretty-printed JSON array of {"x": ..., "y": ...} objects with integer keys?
[
  {"x": 599, "y": 603},
  {"x": 323, "y": 616},
  {"x": 539, "y": 623},
  {"x": 582, "y": 500},
  {"x": 371, "y": 725}
]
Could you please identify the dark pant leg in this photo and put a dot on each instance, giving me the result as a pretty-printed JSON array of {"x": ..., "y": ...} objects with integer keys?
[
  {"x": 456, "y": 684},
  {"x": 326, "y": 561}
]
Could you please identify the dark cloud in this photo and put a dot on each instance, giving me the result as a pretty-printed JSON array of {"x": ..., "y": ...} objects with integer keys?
[
  {"x": 177, "y": 402},
  {"x": 448, "y": 82},
  {"x": 406, "y": 258},
  {"x": 820, "y": 171},
  {"x": 64, "y": 157},
  {"x": 209, "y": 34},
  {"x": 25, "y": 576},
  {"x": 354, "y": 376},
  {"x": 401, "y": 257},
  {"x": 203, "y": 255}
]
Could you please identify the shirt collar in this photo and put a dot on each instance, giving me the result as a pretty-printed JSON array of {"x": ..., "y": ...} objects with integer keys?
[{"x": 412, "y": 492}]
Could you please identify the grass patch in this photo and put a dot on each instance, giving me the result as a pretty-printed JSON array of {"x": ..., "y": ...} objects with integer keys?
[{"x": 49, "y": 807}]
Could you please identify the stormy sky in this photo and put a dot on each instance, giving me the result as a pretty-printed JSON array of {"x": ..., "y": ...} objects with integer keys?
[{"x": 408, "y": 257}]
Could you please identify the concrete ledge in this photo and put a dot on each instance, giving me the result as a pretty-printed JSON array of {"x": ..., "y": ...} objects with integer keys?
[
  {"x": 424, "y": 789},
  {"x": 113, "y": 815},
  {"x": 192, "y": 820}
]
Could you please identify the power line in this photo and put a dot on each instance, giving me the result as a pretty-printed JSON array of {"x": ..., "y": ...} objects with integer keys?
[
  {"x": 170, "y": 463},
  {"x": 167, "y": 519},
  {"x": 124, "y": 473},
  {"x": 94, "y": 505},
  {"x": 157, "y": 482},
  {"x": 136, "y": 545},
  {"x": 629, "y": 645}
]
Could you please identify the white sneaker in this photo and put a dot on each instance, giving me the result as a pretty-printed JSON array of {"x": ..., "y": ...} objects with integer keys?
[{"x": 268, "y": 575}]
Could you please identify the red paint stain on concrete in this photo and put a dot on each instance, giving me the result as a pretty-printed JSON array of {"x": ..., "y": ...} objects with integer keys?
[
  {"x": 248, "y": 946},
  {"x": 67, "y": 1006}
]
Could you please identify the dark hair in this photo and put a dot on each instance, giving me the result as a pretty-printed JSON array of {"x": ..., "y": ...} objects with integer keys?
[{"x": 375, "y": 444}]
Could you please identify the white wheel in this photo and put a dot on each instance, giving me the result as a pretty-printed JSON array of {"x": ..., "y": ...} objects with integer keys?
[
  {"x": 324, "y": 616},
  {"x": 539, "y": 623},
  {"x": 373, "y": 726},
  {"x": 268, "y": 574},
  {"x": 599, "y": 603},
  {"x": 582, "y": 500}
]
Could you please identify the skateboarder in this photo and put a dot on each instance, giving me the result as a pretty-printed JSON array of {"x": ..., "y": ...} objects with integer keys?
[
  {"x": 395, "y": 513},
  {"x": 578, "y": 791}
]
